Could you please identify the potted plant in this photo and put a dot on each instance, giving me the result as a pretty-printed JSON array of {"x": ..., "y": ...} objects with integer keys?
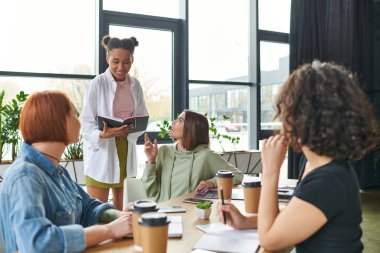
[
  {"x": 73, "y": 161},
  {"x": 9, "y": 121},
  {"x": 203, "y": 210}
]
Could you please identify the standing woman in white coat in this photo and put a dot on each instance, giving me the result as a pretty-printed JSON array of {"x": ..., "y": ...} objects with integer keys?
[{"x": 110, "y": 154}]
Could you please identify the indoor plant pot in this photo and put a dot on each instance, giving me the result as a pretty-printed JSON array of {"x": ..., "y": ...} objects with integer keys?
[{"x": 203, "y": 210}]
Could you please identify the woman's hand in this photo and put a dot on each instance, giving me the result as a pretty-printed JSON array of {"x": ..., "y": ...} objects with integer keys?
[
  {"x": 128, "y": 207},
  {"x": 150, "y": 149},
  {"x": 122, "y": 226},
  {"x": 273, "y": 153},
  {"x": 109, "y": 132},
  {"x": 204, "y": 185},
  {"x": 234, "y": 218}
]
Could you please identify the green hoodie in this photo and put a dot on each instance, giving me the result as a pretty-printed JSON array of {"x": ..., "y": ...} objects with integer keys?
[{"x": 176, "y": 173}]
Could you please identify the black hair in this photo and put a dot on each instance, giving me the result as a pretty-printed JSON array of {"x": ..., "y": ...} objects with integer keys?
[{"x": 111, "y": 43}]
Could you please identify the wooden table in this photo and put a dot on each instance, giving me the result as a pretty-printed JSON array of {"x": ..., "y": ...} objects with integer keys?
[
  {"x": 189, "y": 238},
  {"x": 190, "y": 234}
]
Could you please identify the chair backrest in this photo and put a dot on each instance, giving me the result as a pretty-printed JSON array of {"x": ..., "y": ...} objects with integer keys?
[{"x": 133, "y": 190}]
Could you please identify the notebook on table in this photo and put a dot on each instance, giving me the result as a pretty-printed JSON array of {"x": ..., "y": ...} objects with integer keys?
[
  {"x": 237, "y": 194},
  {"x": 222, "y": 238}
]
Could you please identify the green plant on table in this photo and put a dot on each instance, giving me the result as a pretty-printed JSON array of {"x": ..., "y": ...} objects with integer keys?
[{"x": 204, "y": 205}]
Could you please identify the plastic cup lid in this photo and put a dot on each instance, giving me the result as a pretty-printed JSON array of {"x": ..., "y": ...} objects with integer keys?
[
  {"x": 251, "y": 183},
  {"x": 144, "y": 206},
  {"x": 153, "y": 219},
  {"x": 224, "y": 173}
]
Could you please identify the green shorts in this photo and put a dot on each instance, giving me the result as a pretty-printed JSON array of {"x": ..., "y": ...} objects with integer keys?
[{"x": 122, "y": 151}]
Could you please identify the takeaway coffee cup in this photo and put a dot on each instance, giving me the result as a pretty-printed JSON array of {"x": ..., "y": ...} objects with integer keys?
[
  {"x": 252, "y": 191},
  {"x": 154, "y": 232},
  {"x": 224, "y": 179},
  {"x": 140, "y": 207}
]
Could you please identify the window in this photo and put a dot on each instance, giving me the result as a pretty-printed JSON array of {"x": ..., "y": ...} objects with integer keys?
[
  {"x": 161, "y": 8},
  {"x": 274, "y": 67},
  {"x": 153, "y": 68},
  {"x": 218, "y": 40},
  {"x": 219, "y": 100},
  {"x": 45, "y": 36},
  {"x": 274, "y": 15},
  {"x": 74, "y": 88},
  {"x": 273, "y": 51},
  {"x": 219, "y": 66}
]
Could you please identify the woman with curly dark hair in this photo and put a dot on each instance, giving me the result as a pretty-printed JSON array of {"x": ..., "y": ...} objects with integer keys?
[{"x": 327, "y": 116}]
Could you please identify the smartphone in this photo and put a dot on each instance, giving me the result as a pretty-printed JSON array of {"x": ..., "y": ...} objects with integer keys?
[
  {"x": 195, "y": 200},
  {"x": 172, "y": 209}
]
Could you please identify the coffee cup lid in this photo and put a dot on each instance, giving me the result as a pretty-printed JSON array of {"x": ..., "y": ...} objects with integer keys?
[
  {"x": 251, "y": 183},
  {"x": 153, "y": 219},
  {"x": 144, "y": 206},
  {"x": 224, "y": 173}
]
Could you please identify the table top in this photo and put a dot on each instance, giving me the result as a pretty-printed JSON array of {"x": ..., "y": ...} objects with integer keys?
[
  {"x": 189, "y": 238},
  {"x": 190, "y": 235}
]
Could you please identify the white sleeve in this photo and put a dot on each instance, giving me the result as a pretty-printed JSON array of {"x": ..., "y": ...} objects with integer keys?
[
  {"x": 140, "y": 110},
  {"x": 89, "y": 127}
]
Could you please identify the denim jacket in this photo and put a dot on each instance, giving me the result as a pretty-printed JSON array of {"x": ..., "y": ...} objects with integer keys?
[{"x": 42, "y": 209}]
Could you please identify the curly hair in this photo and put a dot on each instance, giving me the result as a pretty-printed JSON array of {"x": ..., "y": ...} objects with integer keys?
[{"x": 323, "y": 107}]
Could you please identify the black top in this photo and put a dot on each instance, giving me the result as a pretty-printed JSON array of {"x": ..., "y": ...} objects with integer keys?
[{"x": 333, "y": 189}]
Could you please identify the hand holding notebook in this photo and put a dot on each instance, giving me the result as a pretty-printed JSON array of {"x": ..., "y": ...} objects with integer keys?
[{"x": 140, "y": 123}]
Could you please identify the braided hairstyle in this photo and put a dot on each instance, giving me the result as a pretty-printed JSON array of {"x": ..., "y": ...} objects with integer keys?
[{"x": 111, "y": 43}]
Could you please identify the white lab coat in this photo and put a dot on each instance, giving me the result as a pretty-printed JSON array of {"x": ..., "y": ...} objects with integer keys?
[{"x": 101, "y": 161}]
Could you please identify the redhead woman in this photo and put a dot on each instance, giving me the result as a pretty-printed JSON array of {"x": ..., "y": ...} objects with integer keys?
[{"x": 42, "y": 209}]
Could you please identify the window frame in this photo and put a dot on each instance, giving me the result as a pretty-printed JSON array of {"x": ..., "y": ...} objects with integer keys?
[{"x": 273, "y": 37}]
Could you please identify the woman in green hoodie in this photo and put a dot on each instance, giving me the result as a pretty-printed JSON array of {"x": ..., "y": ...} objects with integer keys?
[{"x": 190, "y": 164}]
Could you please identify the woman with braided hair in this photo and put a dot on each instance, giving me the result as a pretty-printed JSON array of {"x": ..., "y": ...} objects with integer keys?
[{"x": 110, "y": 153}]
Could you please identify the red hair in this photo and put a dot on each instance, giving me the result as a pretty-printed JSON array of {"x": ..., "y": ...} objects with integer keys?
[{"x": 43, "y": 117}]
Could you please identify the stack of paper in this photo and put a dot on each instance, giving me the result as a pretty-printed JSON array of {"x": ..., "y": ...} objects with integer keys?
[{"x": 222, "y": 238}]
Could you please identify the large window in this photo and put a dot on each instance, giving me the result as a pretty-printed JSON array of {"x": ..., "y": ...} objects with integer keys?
[
  {"x": 227, "y": 100},
  {"x": 274, "y": 69},
  {"x": 274, "y": 15},
  {"x": 153, "y": 68},
  {"x": 273, "y": 51},
  {"x": 211, "y": 57},
  {"x": 219, "y": 66},
  {"x": 161, "y": 8},
  {"x": 48, "y": 36},
  {"x": 218, "y": 40}
]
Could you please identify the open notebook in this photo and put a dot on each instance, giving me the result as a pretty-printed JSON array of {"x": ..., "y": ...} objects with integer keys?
[{"x": 222, "y": 238}]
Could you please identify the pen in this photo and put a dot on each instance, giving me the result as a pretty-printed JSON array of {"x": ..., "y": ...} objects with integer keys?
[{"x": 224, "y": 213}]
